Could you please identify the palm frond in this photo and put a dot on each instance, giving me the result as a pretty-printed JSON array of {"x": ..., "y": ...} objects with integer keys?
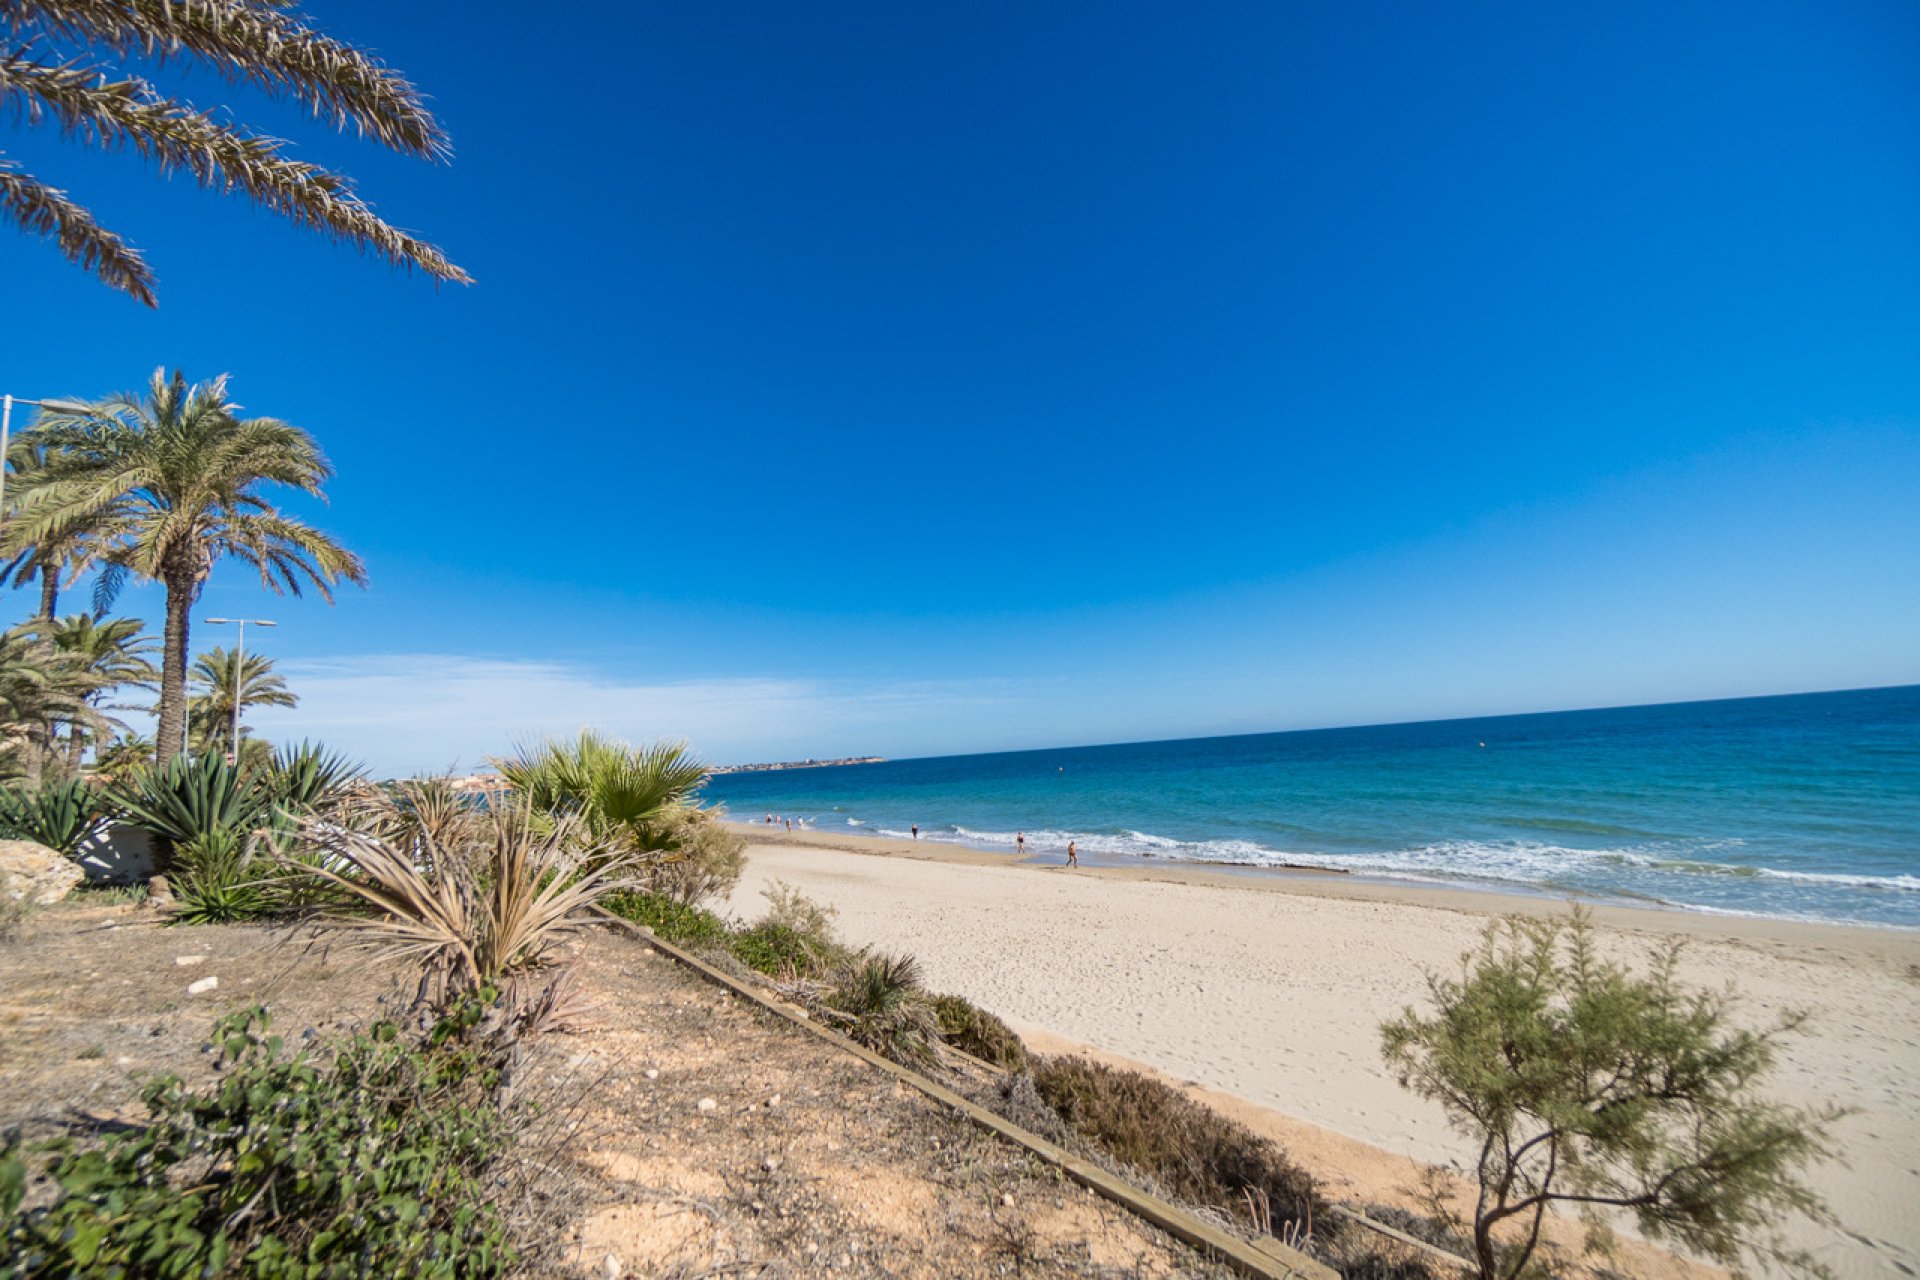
[
  {"x": 266, "y": 45},
  {"x": 131, "y": 113},
  {"x": 41, "y": 210}
]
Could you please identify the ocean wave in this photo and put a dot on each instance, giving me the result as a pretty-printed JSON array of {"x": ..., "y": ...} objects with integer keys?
[{"x": 1523, "y": 863}]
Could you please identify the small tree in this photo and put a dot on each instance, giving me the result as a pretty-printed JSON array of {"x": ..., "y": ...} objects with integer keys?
[{"x": 1589, "y": 1086}]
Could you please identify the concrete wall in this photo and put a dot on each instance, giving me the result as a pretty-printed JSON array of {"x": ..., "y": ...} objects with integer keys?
[{"x": 120, "y": 854}]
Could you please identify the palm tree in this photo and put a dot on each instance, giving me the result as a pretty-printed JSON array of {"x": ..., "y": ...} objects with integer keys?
[
  {"x": 113, "y": 654},
  {"x": 172, "y": 481},
  {"x": 623, "y": 796},
  {"x": 60, "y": 554},
  {"x": 250, "y": 681},
  {"x": 123, "y": 757},
  {"x": 59, "y": 68},
  {"x": 41, "y": 687}
]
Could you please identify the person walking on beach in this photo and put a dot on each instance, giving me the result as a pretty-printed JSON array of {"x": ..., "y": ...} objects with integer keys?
[
  {"x": 1073, "y": 856},
  {"x": 916, "y": 831},
  {"x": 1020, "y": 842}
]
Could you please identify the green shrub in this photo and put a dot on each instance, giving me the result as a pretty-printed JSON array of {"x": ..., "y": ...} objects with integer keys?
[
  {"x": 971, "y": 1029},
  {"x": 61, "y": 815},
  {"x": 1585, "y": 1084},
  {"x": 777, "y": 950},
  {"x": 368, "y": 1157},
  {"x": 674, "y": 922},
  {"x": 1193, "y": 1152}
]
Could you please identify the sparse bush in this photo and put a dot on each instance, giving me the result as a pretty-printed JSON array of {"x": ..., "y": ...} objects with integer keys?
[
  {"x": 61, "y": 815},
  {"x": 788, "y": 908},
  {"x": 1192, "y": 1151},
  {"x": 971, "y": 1029},
  {"x": 365, "y": 1157},
  {"x": 878, "y": 1001},
  {"x": 703, "y": 859},
  {"x": 308, "y": 778},
  {"x": 1585, "y": 1084},
  {"x": 674, "y": 922}
]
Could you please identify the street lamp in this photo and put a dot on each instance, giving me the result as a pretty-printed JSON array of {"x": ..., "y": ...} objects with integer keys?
[
  {"x": 6, "y": 429},
  {"x": 239, "y": 669}
]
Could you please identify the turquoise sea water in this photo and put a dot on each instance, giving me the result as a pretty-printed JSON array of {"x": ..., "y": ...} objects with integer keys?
[{"x": 1805, "y": 806}]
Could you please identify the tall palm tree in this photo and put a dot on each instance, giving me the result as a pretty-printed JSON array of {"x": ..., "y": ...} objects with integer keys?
[
  {"x": 114, "y": 654},
  {"x": 58, "y": 67},
  {"x": 250, "y": 681},
  {"x": 172, "y": 480}
]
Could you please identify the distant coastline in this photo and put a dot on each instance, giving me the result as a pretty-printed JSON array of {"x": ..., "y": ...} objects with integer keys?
[{"x": 776, "y": 766}]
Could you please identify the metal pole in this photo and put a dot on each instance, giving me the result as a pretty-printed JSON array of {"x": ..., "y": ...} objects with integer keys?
[
  {"x": 6, "y": 427},
  {"x": 239, "y": 674}
]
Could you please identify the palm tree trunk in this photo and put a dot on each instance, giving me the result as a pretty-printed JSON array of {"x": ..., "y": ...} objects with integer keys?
[
  {"x": 173, "y": 668},
  {"x": 49, "y": 589},
  {"x": 76, "y": 748}
]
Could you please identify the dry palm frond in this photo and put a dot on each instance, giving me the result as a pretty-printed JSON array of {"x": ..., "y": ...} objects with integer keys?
[
  {"x": 41, "y": 210},
  {"x": 470, "y": 921},
  {"x": 263, "y": 44},
  {"x": 60, "y": 65}
]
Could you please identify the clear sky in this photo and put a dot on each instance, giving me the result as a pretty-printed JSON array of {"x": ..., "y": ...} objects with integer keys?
[{"x": 917, "y": 379}]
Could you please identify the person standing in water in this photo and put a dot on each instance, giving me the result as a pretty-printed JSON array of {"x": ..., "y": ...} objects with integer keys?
[
  {"x": 916, "y": 831},
  {"x": 1020, "y": 842},
  {"x": 1073, "y": 856}
]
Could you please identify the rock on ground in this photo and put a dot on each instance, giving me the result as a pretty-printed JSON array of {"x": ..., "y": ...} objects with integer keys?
[{"x": 36, "y": 874}]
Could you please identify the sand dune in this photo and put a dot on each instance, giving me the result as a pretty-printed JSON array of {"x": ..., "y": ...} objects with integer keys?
[{"x": 1271, "y": 989}]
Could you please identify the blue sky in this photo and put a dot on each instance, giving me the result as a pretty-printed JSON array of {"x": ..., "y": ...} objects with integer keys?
[{"x": 887, "y": 379}]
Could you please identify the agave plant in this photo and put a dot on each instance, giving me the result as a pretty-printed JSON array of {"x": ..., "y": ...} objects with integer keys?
[
  {"x": 62, "y": 816},
  {"x": 308, "y": 778},
  {"x": 183, "y": 800}
]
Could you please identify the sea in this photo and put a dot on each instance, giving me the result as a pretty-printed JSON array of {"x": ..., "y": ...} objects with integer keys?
[{"x": 1805, "y": 806}]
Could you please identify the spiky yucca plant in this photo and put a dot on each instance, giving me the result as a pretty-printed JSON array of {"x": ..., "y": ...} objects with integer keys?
[{"x": 470, "y": 918}]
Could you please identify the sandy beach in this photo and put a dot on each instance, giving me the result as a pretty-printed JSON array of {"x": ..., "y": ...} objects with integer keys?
[{"x": 1269, "y": 989}]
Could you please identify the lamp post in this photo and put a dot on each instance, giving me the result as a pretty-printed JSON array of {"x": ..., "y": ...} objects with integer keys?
[
  {"x": 6, "y": 429},
  {"x": 239, "y": 671}
]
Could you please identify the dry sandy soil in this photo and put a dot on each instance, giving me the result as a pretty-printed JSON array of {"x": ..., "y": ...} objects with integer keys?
[{"x": 684, "y": 1132}]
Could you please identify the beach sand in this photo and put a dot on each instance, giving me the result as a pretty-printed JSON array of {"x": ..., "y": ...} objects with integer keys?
[{"x": 1270, "y": 989}]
